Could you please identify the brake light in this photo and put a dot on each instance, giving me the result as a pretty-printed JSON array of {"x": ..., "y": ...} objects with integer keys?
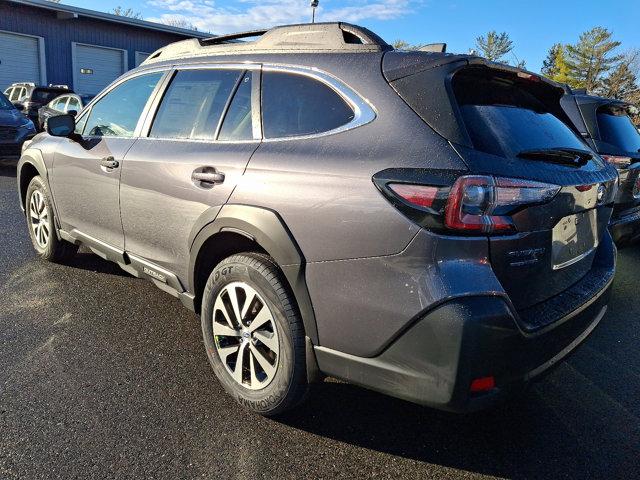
[
  {"x": 482, "y": 203},
  {"x": 618, "y": 161},
  {"x": 483, "y": 384},
  {"x": 420, "y": 195}
]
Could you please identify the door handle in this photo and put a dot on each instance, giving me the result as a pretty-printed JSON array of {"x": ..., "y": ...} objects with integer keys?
[
  {"x": 109, "y": 162},
  {"x": 212, "y": 178}
]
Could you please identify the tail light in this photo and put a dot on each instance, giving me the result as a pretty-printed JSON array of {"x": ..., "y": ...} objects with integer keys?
[
  {"x": 474, "y": 204},
  {"x": 617, "y": 161}
]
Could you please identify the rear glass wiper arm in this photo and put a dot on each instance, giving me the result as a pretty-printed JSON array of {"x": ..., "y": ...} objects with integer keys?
[{"x": 572, "y": 156}]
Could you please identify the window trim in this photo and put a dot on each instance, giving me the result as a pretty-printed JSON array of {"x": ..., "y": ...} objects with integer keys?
[
  {"x": 364, "y": 112},
  {"x": 87, "y": 109}
]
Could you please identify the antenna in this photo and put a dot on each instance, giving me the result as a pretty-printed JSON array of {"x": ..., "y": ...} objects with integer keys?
[{"x": 314, "y": 5}]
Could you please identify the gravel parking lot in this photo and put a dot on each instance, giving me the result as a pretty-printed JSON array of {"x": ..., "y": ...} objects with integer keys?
[{"x": 104, "y": 376}]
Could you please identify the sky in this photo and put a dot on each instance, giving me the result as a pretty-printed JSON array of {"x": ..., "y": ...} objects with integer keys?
[{"x": 534, "y": 26}]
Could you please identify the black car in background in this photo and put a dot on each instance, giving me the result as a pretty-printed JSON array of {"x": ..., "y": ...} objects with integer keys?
[
  {"x": 28, "y": 98},
  {"x": 14, "y": 129},
  {"x": 606, "y": 125},
  {"x": 68, "y": 103}
]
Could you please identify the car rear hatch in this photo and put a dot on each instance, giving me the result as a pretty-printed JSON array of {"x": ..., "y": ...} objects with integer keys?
[{"x": 534, "y": 188}]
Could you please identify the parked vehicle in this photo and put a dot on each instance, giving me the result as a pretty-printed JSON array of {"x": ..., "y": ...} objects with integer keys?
[
  {"x": 606, "y": 125},
  {"x": 28, "y": 98},
  {"x": 68, "y": 103},
  {"x": 422, "y": 224},
  {"x": 15, "y": 129}
]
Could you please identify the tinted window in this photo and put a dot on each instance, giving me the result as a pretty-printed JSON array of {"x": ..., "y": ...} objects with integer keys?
[
  {"x": 294, "y": 105},
  {"x": 118, "y": 112},
  {"x": 617, "y": 129},
  {"x": 504, "y": 118},
  {"x": 193, "y": 104},
  {"x": 237, "y": 123}
]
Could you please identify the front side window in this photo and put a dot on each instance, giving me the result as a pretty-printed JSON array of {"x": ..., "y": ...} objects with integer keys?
[
  {"x": 616, "y": 128},
  {"x": 193, "y": 104},
  {"x": 295, "y": 105},
  {"x": 117, "y": 113}
]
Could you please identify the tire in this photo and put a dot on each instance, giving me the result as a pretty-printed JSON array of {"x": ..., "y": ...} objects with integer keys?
[
  {"x": 41, "y": 223},
  {"x": 257, "y": 283}
]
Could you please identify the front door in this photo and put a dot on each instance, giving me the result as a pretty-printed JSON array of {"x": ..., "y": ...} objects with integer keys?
[
  {"x": 86, "y": 170},
  {"x": 176, "y": 178}
]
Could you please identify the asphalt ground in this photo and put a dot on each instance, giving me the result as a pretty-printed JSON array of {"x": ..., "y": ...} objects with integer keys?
[{"x": 102, "y": 375}]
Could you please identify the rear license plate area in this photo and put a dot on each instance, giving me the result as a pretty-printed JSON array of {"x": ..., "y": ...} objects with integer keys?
[{"x": 574, "y": 237}]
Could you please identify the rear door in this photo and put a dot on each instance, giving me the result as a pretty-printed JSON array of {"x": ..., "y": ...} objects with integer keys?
[
  {"x": 86, "y": 170},
  {"x": 196, "y": 144}
]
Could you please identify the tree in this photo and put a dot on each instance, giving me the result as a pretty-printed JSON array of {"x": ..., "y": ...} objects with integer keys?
[
  {"x": 555, "y": 65},
  {"x": 591, "y": 58},
  {"x": 179, "y": 23},
  {"x": 494, "y": 46},
  {"x": 126, "y": 12},
  {"x": 621, "y": 84},
  {"x": 402, "y": 45}
]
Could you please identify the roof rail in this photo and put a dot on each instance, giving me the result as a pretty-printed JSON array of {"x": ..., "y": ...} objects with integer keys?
[{"x": 335, "y": 37}]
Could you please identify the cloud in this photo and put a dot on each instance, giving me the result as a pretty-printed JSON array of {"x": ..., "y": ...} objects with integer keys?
[{"x": 208, "y": 15}]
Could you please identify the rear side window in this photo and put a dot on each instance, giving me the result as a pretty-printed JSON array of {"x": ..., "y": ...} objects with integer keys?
[
  {"x": 295, "y": 105},
  {"x": 504, "y": 117},
  {"x": 117, "y": 113},
  {"x": 59, "y": 104},
  {"x": 238, "y": 124},
  {"x": 193, "y": 104},
  {"x": 617, "y": 129},
  {"x": 74, "y": 104}
]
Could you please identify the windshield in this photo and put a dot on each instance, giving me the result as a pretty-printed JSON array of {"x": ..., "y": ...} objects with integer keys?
[
  {"x": 45, "y": 96},
  {"x": 505, "y": 117},
  {"x": 617, "y": 129},
  {"x": 5, "y": 104}
]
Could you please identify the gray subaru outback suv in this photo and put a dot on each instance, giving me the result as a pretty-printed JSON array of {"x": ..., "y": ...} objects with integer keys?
[{"x": 422, "y": 224}]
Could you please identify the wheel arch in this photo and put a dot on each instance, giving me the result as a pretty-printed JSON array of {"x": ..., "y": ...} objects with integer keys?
[
  {"x": 239, "y": 228},
  {"x": 30, "y": 165}
]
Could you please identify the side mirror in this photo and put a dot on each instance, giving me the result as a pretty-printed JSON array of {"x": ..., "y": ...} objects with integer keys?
[
  {"x": 61, "y": 125},
  {"x": 73, "y": 113}
]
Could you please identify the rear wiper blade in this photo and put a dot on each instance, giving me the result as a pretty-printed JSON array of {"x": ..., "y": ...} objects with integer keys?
[{"x": 571, "y": 156}]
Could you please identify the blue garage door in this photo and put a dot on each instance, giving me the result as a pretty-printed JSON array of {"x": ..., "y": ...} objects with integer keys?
[
  {"x": 19, "y": 59},
  {"x": 96, "y": 67}
]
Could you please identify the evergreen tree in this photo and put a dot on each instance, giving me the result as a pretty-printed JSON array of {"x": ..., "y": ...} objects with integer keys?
[
  {"x": 620, "y": 84},
  {"x": 494, "y": 46},
  {"x": 555, "y": 65},
  {"x": 591, "y": 58}
]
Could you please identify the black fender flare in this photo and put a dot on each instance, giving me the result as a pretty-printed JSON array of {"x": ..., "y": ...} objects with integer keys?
[{"x": 267, "y": 229}]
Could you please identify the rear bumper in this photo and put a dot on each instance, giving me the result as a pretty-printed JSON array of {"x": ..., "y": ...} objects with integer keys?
[{"x": 434, "y": 362}]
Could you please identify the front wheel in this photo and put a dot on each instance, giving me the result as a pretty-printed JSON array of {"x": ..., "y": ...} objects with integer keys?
[
  {"x": 41, "y": 223},
  {"x": 254, "y": 335}
]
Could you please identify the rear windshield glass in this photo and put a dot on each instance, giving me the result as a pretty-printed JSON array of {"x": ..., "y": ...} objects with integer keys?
[
  {"x": 5, "y": 104},
  {"x": 617, "y": 129},
  {"x": 45, "y": 96},
  {"x": 505, "y": 118}
]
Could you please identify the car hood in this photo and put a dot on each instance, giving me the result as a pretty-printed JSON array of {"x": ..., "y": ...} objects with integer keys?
[{"x": 11, "y": 118}]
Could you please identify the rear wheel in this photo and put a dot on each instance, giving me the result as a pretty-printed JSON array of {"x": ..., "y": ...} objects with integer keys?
[
  {"x": 41, "y": 222},
  {"x": 254, "y": 335}
]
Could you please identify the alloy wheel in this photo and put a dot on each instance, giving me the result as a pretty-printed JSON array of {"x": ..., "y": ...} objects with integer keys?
[
  {"x": 39, "y": 217},
  {"x": 245, "y": 335}
]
